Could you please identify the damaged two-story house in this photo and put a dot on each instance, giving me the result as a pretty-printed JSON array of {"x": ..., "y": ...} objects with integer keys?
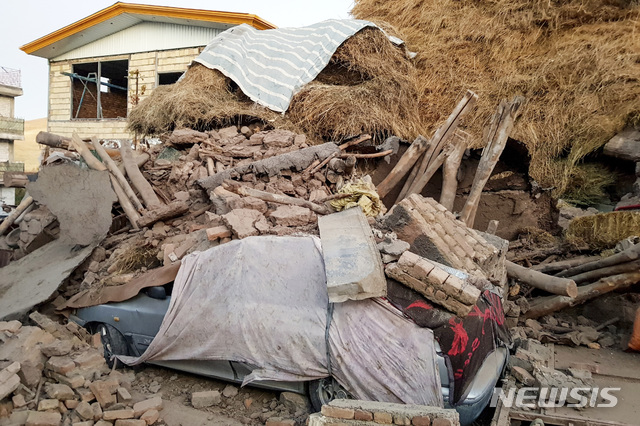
[{"x": 103, "y": 65}]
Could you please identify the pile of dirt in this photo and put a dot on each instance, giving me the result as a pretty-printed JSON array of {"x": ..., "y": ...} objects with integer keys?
[
  {"x": 369, "y": 86},
  {"x": 574, "y": 62}
]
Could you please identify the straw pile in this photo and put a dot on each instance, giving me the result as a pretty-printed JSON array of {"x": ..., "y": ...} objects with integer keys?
[
  {"x": 605, "y": 230},
  {"x": 576, "y": 61},
  {"x": 369, "y": 86}
]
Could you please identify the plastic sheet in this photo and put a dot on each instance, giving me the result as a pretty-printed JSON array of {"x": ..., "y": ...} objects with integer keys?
[{"x": 263, "y": 301}]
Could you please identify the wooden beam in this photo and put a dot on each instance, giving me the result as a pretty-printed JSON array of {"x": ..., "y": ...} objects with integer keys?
[
  {"x": 555, "y": 285},
  {"x": 450, "y": 169},
  {"x": 501, "y": 125},
  {"x": 402, "y": 167}
]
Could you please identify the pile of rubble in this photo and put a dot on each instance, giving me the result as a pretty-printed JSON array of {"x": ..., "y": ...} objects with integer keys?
[{"x": 54, "y": 374}]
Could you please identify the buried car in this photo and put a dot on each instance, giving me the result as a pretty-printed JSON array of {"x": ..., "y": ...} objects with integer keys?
[{"x": 245, "y": 312}]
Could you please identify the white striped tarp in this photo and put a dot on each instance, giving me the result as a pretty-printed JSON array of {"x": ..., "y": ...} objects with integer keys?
[{"x": 270, "y": 66}]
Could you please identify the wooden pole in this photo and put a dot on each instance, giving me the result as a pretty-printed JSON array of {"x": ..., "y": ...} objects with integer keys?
[
  {"x": 555, "y": 285},
  {"x": 406, "y": 162},
  {"x": 274, "y": 198},
  {"x": 628, "y": 255},
  {"x": 564, "y": 264},
  {"x": 501, "y": 125},
  {"x": 549, "y": 305},
  {"x": 211, "y": 166},
  {"x": 147, "y": 193},
  {"x": 438, "y": 141},
  {"x": 353, "y": 142},
  {"x": 15, "y": 180},
  {"x": 8, "y": 221},
  {"x": 450, "y": 170},
  {"x": 373, "y": 155},
  {"x": 96, "y": 164},
  {"x": 113, "y": 168},
  {"x": 125, "y": 203},
  {"x": 596, "y": 274},
  {"x": 56, "y": 141}
]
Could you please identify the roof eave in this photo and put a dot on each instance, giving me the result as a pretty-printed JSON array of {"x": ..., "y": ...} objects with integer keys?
[{"x": 116, "y": 9}]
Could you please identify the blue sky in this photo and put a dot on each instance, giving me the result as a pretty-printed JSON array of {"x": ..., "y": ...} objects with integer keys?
[{"x": 27, "y": 20}]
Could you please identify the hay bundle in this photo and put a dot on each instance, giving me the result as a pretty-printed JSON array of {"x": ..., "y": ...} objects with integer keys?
[
  {"x": 605, "y": 230},
  {"x": 576, "y": 61},
  {"x": 369, "y": 86}
]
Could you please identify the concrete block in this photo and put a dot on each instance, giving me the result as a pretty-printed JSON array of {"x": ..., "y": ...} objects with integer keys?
[{"x": 352, "y": 262}]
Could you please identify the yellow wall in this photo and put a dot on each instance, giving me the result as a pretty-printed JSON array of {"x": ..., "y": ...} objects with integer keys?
[
  {"x": 148, "y": 64},
  {"x": 28, "y": 151}
]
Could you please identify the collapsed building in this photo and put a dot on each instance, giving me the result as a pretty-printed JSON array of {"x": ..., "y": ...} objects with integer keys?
[{"x": 335, "y": 156}]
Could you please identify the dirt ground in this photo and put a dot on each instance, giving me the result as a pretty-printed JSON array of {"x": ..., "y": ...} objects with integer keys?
[{"x": 251, "y": 406}]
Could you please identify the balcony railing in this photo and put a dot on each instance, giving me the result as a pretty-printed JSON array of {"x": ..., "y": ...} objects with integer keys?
[
  {"x": 12, "y": 126},
  {"x": 10, "y": 77}
]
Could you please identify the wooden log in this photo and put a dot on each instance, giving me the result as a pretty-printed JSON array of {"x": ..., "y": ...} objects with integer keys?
[
  {"x": 450, "y": 169},
  {"x": 353, "y": 142},
  {"x": 15, "y": 179},
  {"x": 555, "y": 285},
  {"x": 128, "y": 208},
  {"x": 501, "y": 125},
  {"x": 144, "y": 188},
  {"x": 373, "y": 155},
  {"x": 113, "y": 168},
  {"x": 548, "y": 305},
  {"x": 211, "y": 166},
  {"x": 406, "y": 162},
  {"x": 168, "y": 211},
  {"x": 596, "y": 274},
  {"x": 438, "y": 141},
  {"x": 628, "y": 255},
  {"x": 323, "y": 163},
  {"x": 62, "y": 142},
  {"x": 422, "y": 180},
  {"x": 96, "y": 164},
  {"x": 8, "y": 221},
  {"x": 274, "y": 198},
  {"x": 84, "y": 152}
]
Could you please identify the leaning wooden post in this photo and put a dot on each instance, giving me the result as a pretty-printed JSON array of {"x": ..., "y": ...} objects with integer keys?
[
  {"x": 113, "y": 168},
  {"x": 438, "y": 141},
  {"x": 141, "y": 184},
  {"x": 501, "y": 125},
  {"x": 96, "y": 164},
  {"x": 408, "y": 159},
  {"x": 450, "y": 169}
]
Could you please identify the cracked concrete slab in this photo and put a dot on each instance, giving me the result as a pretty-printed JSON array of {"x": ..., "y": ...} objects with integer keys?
[
  {"x": 80, "y": 198},
  {"x": 352, "y": 262}
]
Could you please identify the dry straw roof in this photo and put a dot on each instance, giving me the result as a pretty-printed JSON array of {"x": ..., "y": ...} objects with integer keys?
[
  {"x": 369, "y": 86},
  {"x": 576, "y": 61}
]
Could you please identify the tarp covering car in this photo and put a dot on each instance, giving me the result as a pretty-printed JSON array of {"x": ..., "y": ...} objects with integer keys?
[{"x": 263, "y": 301}]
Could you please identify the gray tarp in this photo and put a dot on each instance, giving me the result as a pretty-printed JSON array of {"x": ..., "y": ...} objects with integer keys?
[
  {"x": 270, "y": 66},
  {"x": 263, "y": 301}
]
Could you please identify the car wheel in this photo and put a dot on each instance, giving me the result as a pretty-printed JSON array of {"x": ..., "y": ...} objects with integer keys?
[
  {"x": 113, "y": 342},
  {"x": 324, "y": 391}
]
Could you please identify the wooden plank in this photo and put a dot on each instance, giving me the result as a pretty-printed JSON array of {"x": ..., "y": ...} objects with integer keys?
[
  {"x": 406, "y": 162},
  {"x": 501, "y": 125}
]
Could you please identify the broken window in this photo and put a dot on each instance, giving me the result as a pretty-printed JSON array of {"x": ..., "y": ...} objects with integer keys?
[
  {"x": 108, "y": 99},
  {"x": 168, "y": 77}
]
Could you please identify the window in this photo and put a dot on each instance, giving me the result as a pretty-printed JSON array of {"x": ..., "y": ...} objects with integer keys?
[
  {"x": 105, "y": 100},
  {"x": 168, "y": 77}
]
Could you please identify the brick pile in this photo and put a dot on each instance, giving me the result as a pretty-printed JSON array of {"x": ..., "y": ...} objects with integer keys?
[
  {"x": 53, "y": 374},
  {"x": 434, "y": 233},
  {"x": 355, "y": 412},
  {"x": 435, "y": 283}
]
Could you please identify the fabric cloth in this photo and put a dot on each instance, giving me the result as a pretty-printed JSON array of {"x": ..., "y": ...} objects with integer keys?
[
  {"x": 263, "y": 301},
  {"x": 270, "y": 66},
  {"x": 465, "y": 341}
]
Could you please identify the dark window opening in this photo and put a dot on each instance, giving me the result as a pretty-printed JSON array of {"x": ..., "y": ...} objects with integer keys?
[
  {"x": 168, "y": 77},
  {"x": 106, "y": 99}
]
